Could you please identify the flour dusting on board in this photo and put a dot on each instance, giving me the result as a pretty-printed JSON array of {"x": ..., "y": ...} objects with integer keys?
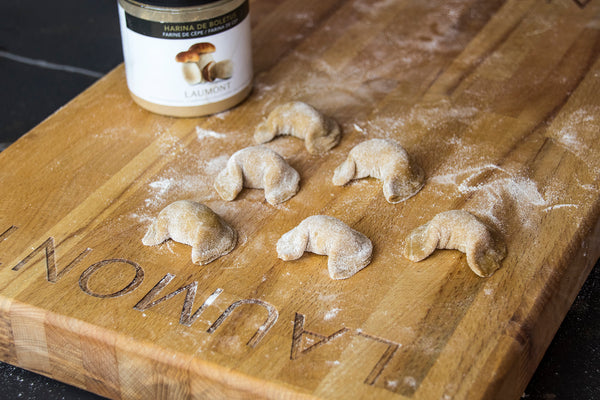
[
  {"x": 205, "y": 133},
  {"x": 410, "y": 381},
  {"x": 492, "y": 187},
  {"x": 517, "y": 188},
  {"x": 412, "y": 123},
  {"x": 373, "y": 8},
  {"x": 331, "y": 313},
  {"x": 578, "y": 132},
  {"x": 197, "y": 183}
]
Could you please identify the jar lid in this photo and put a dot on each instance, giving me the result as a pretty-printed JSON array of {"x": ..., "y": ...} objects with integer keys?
[{"x": 176, "y": 3}]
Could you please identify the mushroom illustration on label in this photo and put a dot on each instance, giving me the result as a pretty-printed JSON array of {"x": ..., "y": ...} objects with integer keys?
[{"x": 198, "y": 64}]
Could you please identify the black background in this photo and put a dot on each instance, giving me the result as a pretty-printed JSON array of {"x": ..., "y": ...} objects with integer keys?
[{"x": 85, "y": 34}]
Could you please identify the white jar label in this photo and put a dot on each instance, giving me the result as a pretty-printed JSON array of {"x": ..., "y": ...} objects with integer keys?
[{"x": 185, "y": 64}]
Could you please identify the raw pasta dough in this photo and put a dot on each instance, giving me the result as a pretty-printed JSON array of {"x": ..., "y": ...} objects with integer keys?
[
  {"x": 196, "y": 225},
  {"x": 349, "y": 251},
  {"x": 258, "y": 167},
  {"x": 320, "y": 133},
  {"x": 383, "y": 159},
  {"x": 459, "y": 230}
]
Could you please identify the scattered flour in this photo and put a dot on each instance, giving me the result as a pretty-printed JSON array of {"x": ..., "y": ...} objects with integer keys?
[
  {"x": 165, "y": 190},
  {"x": 331, "y": 313},
  {"x": 463, "y": 177},
  {"x": 142, "y": 218},
  {"x": 195, "y": 184},
  {"x": 427, "y": 116},
  {"x": 519, "y": 189},
  {"x": 501, "y": 190},
  {"x": 578, "y": 132},
  {"x": 373, "y": 8},
  {"x": 213, "y": 166},
  {"x": 359, "y": 129},
  {"x": 325, "y": 298},
  {"x": 519, "y": 194},
  {"x": 306, "y": 18},
  {"x": 391, "y": 384},
  {"x": 204, "y": 133},
  {"x": 558, "y": 206},
  {"x": 169, "y": 246},
  {"x": 169, "y": 144},
  {"x": 410, "y": 382},
  {"x": 161, "y": 185}
]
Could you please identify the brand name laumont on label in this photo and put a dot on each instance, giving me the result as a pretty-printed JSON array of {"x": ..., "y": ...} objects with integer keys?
[{"x": 208, "y": 91}]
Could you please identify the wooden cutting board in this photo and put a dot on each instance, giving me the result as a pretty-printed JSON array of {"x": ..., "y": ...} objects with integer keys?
[{"x": 497, "y": 101}]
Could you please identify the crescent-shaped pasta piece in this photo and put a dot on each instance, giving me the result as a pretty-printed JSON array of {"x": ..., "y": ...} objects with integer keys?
[
  {"x": 458, "y": 230},
  {"x": 383, "y": 159},
  {"x": 320, "y": 133},
  {"x": 258, "y": 167},
  {"x": 348, "y": 250},
  {"x": 196, "y": 225}
]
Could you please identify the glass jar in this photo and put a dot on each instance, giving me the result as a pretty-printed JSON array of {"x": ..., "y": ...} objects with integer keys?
[{"x": 187, "y": 58}]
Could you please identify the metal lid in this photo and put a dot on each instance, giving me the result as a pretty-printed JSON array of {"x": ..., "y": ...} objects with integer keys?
[{"x": 176, "y": 3}]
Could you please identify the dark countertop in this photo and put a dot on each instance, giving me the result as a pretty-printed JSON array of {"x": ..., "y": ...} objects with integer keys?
[{"x": 52, "y": 51}]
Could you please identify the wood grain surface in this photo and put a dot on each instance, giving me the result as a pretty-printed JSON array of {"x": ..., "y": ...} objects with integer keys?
[{"x": 496, "y": 100}]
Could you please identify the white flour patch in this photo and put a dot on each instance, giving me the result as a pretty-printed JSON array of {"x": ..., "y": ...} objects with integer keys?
[
  {"x": 195, "y": 184},
  {"x": 162, "y": 185},
  {"x": 410, "y": 381},
  {"x": 577, "y": 132},
  {"x": 306, "y": 19},
  {"x": 213, "y": 166},
  {"x": 411, "y": 124},
  {"x": 521, "y": 190},
  {"x": 142, "y": 218},
  {"x": 205, "y": 133},
  {"x": 559, "y": 206},
  {"x": 589, "y": 187},
  {"x": 168, "y": 246},
  {"x": 373, "y": 8},
  {"x": 494, "y": 188},
  {"x": 331, "y": 313},
  {"x": 391, "y": 384},
  {"x": 327, "y": 297},
  {"x": 359, "y": 129},
  {"x": 519, "y": 194},
  {"x": 165, "y": 190},
  {"x": 463, "y": 178}
]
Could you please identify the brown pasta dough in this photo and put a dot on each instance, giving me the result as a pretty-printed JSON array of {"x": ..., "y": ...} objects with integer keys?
[
  {"x": 258, "y": 167},
  {"x": 348, "y": 250},
  {"x": 459, "y": 230},
  {"x": 196, "y": 225},
  {"x": 320, "y": 133},
  {"x": 383, "y": 159}
]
